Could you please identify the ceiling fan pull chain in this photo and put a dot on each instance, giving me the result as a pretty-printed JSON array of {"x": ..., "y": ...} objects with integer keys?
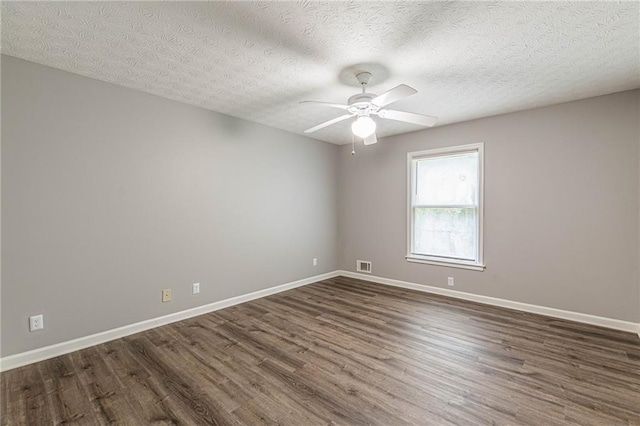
[{"x": 353, "y": 144}]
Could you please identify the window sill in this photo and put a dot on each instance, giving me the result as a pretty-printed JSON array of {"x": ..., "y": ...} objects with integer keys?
[{"x": 461, "y": 265}]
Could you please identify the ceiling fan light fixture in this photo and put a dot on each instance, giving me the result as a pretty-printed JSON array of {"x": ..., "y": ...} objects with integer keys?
[{"x": 364, "y": 126}]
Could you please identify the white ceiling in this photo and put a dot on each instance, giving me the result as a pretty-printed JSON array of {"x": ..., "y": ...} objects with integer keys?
[{"x": 258, "y": 60}]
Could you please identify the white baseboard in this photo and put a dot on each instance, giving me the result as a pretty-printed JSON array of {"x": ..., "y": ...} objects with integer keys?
[
  {"x": 542, "y": 310},
  {"x": 40, "y": 354}
]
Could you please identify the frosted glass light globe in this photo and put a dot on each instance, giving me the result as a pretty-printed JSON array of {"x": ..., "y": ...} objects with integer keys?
[{"x": 363, "y": 127}]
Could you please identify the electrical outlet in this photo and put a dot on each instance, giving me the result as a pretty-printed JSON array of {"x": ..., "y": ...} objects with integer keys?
[
  {"x": 36, "y": 322},
  {"x": 195, "y": 288},
  {"x": 166, "y": 295},
  {"x": 450, "y": 281},
  {"x": 315, "y": 261}
]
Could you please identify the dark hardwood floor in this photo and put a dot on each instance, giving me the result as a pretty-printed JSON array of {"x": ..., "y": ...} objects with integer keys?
[{"x": 341, "y": 351}]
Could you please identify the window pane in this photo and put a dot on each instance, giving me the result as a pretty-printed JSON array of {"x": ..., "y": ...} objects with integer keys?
[
  {"x": 447, "y": 180},
  {"x": 446, "y": 232}
]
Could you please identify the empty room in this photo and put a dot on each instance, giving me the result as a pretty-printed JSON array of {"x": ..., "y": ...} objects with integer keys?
[{"x": 320, "y": 213}]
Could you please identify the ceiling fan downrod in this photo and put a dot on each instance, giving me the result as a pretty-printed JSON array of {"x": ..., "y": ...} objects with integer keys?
[{"x": 363, "y": 79}]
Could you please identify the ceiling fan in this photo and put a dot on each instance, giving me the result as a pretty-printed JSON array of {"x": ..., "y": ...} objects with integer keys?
[{"x": 364, "y": 105}]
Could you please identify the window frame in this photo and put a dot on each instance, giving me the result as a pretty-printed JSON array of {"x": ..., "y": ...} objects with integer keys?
[{"x": 412, "y": 158}]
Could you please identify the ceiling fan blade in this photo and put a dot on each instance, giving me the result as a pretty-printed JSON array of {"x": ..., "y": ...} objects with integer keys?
[
  {"x": 328, "y": 104},
  {"x": 393, "y": 95},
  {"x": 371, "y": 139},
  {"x": 408, "y": 117},
  {"x": 328, "y": 123}
]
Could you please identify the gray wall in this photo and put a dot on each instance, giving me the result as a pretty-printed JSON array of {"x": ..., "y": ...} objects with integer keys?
[
  {"x": 561, "y": 206},
  {"x": 110, "y": 195}
]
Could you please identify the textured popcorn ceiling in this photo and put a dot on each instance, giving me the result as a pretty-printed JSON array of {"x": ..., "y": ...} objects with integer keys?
[{"x": 258, "y": 60}]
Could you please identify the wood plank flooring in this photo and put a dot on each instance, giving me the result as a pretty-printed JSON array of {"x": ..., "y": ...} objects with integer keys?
[{"x": 341, "y": 351}]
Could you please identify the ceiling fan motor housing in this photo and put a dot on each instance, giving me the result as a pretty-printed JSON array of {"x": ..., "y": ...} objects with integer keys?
[{"x": 361, "y": 98}]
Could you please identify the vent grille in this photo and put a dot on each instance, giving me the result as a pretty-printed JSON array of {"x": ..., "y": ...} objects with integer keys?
[{"x": 363, "y": 266}]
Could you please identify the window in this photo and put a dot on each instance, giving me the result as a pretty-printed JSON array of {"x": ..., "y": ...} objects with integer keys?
[{"x": 445, "y": 206}]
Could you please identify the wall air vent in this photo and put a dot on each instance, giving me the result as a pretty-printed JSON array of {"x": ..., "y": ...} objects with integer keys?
[{"x": 363, "y": 266}]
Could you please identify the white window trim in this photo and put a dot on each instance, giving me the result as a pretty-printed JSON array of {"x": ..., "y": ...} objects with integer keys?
[{"x": 439, "y": 261}]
